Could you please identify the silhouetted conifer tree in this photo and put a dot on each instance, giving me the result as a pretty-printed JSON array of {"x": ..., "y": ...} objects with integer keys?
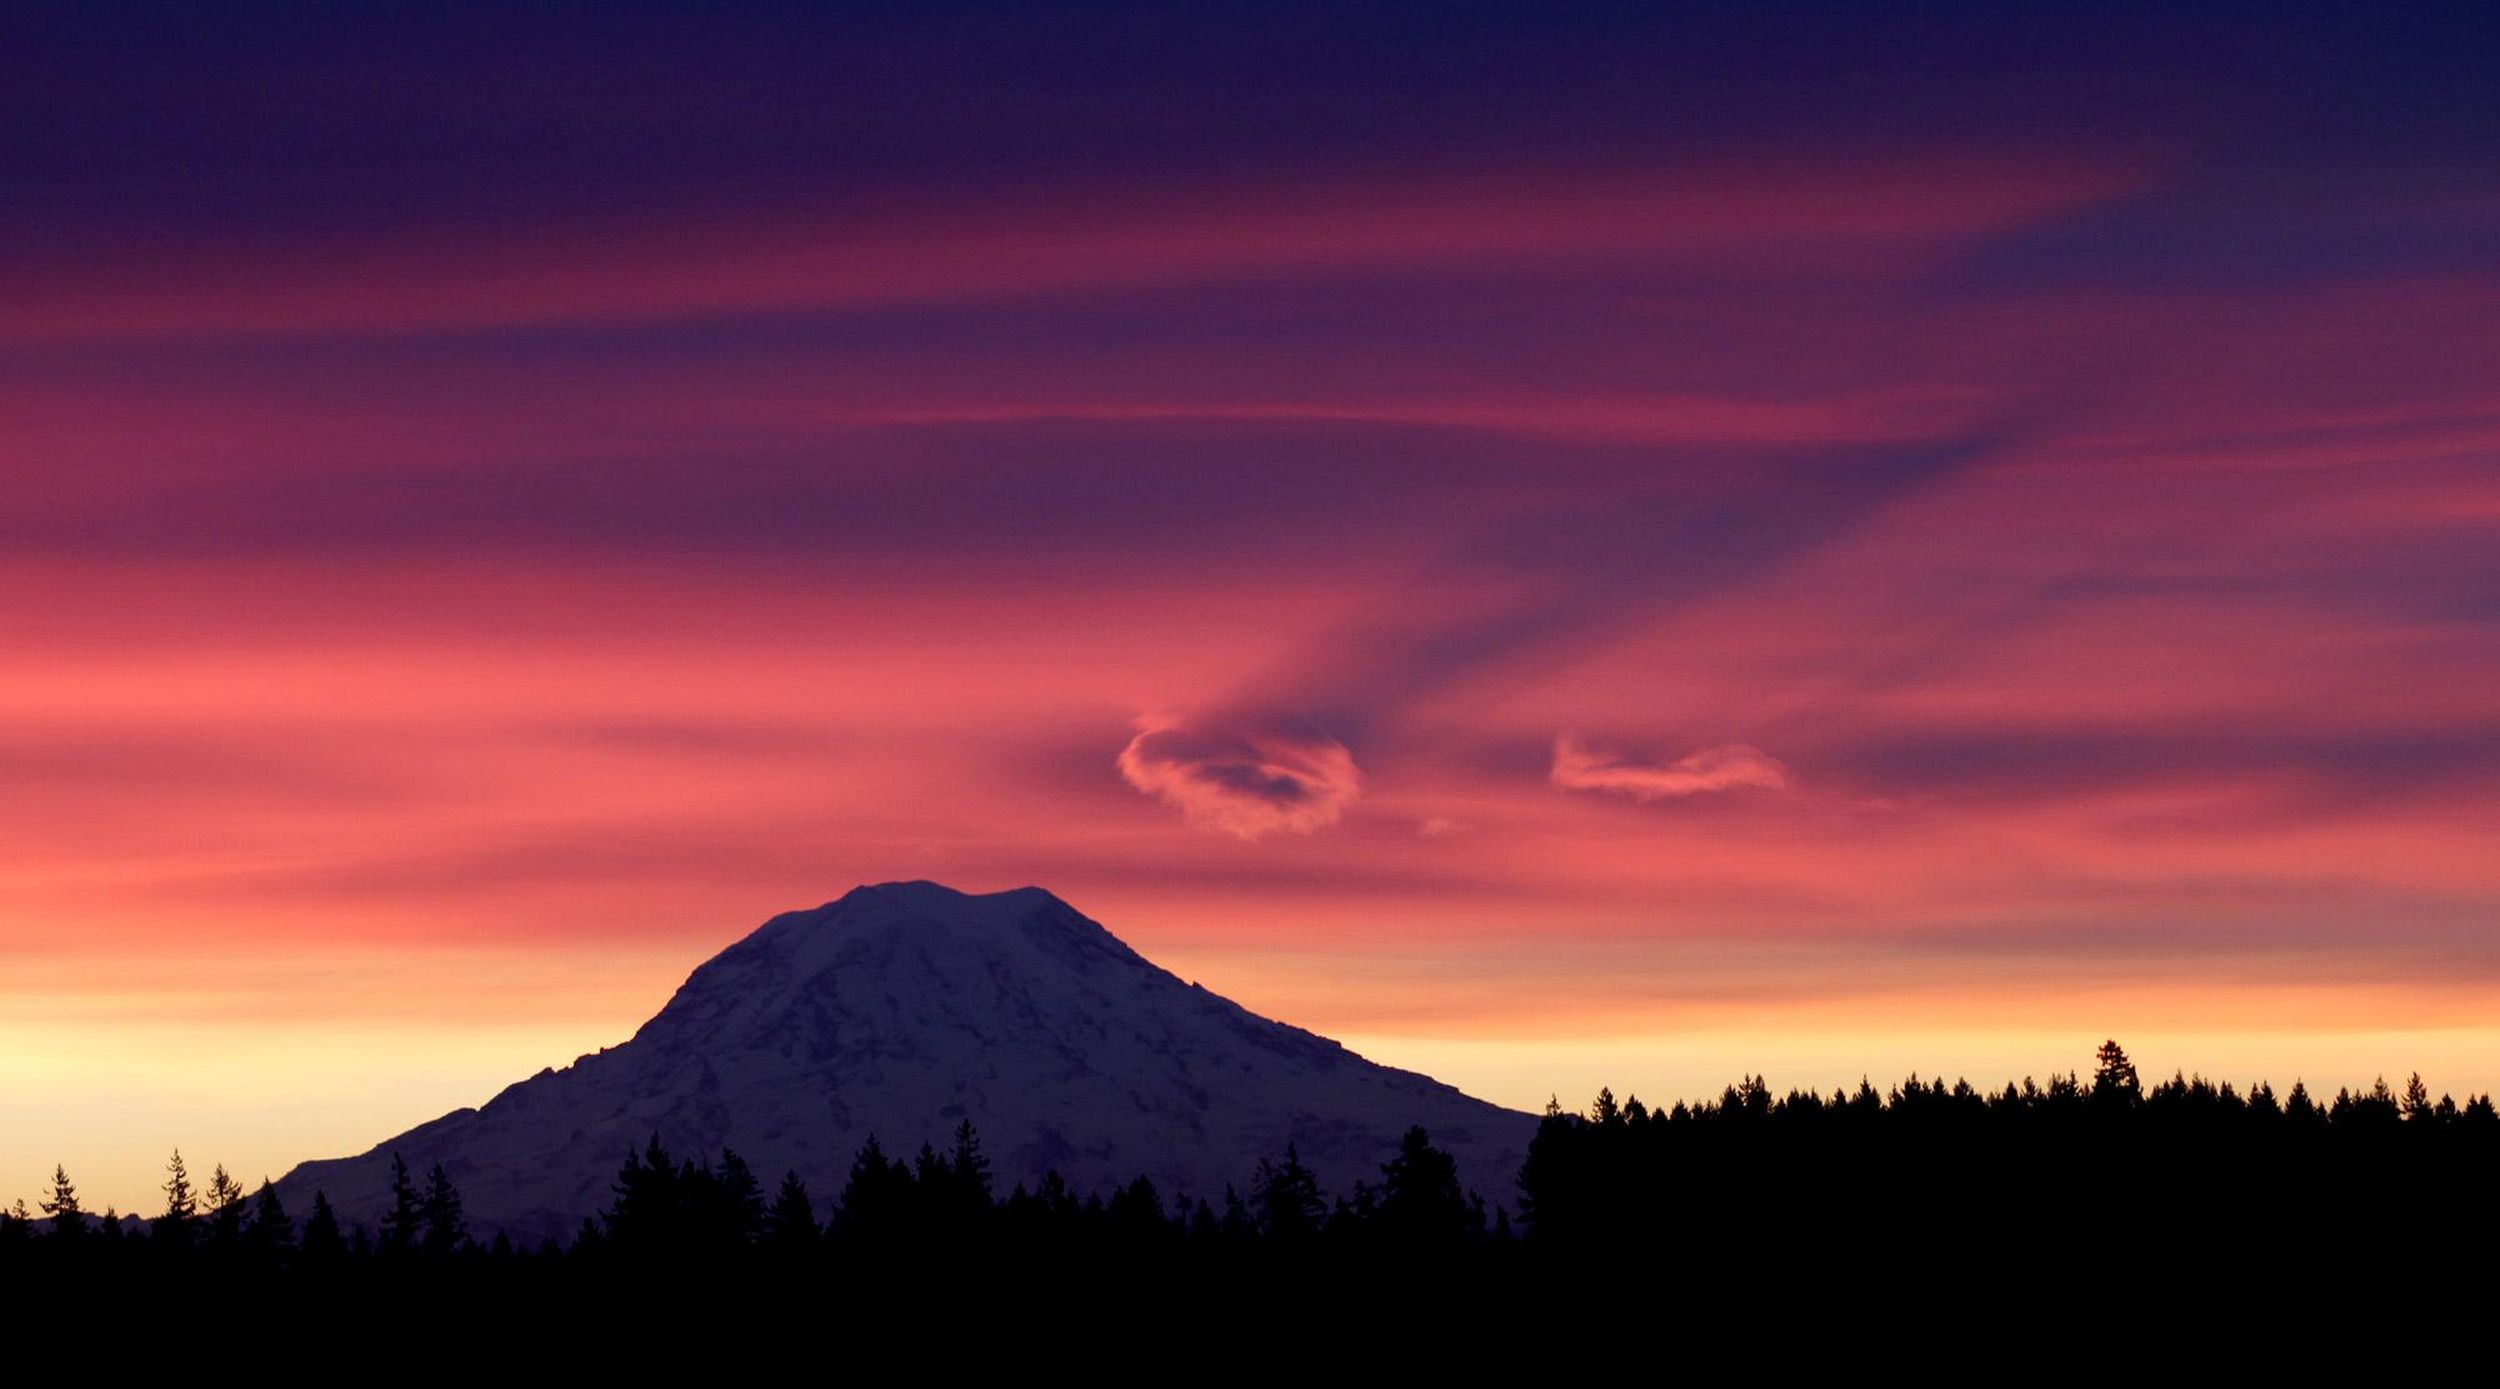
[
  {"x": 1421, "y": 1203},
  {"x": 1236, "y": 1223},
  {"x": 271, "y": 1233},
  {"x": 182, "y": 1205},
  {"x": 738, "y": 1201},
  {"x": 442, "y": 1229},
  {"x": 1751, "y": 1099},
  {"x": 1286, "y": 1198},
  {"x": 324, "y": 1242},
  {"x": 790, "y": 1226},
  {"x": 968, "y": 1171},
  {"x": 2114, "y": 1081},
  {"x": 649, "y": 1213},
  {"x": 934, "y": 1183},
  {"x": 876, "y": 1201},
  {"x": 2416, "y": 1105},
  {"x": 1549, "y": 1180},
  {"x": 224, "y": 1205},
  {"x": 402, "y": 1223},
  {"x": 1054, "y": 1197},
  {"x": 69, "y": 1219}
]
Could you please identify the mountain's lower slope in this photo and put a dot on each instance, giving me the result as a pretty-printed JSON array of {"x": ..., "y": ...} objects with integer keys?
[{"x": 899, "y": 1011}]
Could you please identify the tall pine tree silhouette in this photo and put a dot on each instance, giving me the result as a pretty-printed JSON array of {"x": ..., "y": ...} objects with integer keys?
[
  {"x": 442, "y": 1232},
  {"x": 69, "y": 1219},
  {"x": 271, "y": 1233},
  {"x": 324, "y": 1242},
  {"x": 402, "y": 1223},
  {"x": 736, "y": 1216},
  {"x": 182, "y": 1206},
  {"x": 225, "y": 1209},
  {"x": 790, "y": 1228}
]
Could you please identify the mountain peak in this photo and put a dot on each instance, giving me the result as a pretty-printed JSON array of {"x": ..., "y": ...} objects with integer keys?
[
  {"x": 932, "y": 903},
  {"x": 920, "y": 894},
  {"x": 898, "y": 1010},
  {"x": 990, "y": 925}
]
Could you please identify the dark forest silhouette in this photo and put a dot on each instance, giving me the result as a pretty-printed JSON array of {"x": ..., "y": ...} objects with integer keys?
[{"x": 2080, "y": 1177}]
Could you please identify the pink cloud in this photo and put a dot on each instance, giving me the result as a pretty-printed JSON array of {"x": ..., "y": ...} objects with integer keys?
[
  {"x": 1248, "y": 782},
  {"x": 1730, "y": 767}
]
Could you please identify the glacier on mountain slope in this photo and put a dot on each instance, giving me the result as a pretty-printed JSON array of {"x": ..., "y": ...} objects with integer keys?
[{"x": 904, "y": 1008}]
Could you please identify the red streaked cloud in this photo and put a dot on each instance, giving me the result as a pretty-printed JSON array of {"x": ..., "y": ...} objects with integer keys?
[{"x": 693, "y": 266}]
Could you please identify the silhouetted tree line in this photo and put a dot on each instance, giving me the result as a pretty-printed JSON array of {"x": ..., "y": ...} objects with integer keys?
[
  {"x": 2078, "y": 1176},
  {"x": 2091, "y": 1179},
  {"x": 892, "y": 1209},
  {"x": 222, "y": 1227},
  {"x": 685, "y": 1214}
]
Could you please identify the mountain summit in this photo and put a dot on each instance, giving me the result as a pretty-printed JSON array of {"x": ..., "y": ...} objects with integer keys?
[{"x": 904, "y": 1008}]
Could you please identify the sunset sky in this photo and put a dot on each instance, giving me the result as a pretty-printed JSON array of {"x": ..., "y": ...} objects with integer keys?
[{"x": 1561, "y": 546}]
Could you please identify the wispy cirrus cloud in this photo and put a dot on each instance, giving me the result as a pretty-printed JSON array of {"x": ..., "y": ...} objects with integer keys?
[
  {"x": 1728, "y": 767},
  {"x": 1243, "y": 778}
]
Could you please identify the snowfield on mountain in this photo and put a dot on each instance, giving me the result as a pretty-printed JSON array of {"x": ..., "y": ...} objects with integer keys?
[{"x": 903, "y": 1009}]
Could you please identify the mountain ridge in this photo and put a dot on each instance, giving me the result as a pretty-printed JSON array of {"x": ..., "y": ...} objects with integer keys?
[{"x": 900, "y": 1009}]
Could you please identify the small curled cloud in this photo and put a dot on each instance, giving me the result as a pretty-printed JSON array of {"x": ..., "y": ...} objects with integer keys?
[
  {"x": 1243, "y": 779},
  {"x": 1729, "y": 767}
]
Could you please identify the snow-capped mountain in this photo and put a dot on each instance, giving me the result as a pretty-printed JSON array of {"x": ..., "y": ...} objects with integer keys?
[{"x": 904, "y": 1008}]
